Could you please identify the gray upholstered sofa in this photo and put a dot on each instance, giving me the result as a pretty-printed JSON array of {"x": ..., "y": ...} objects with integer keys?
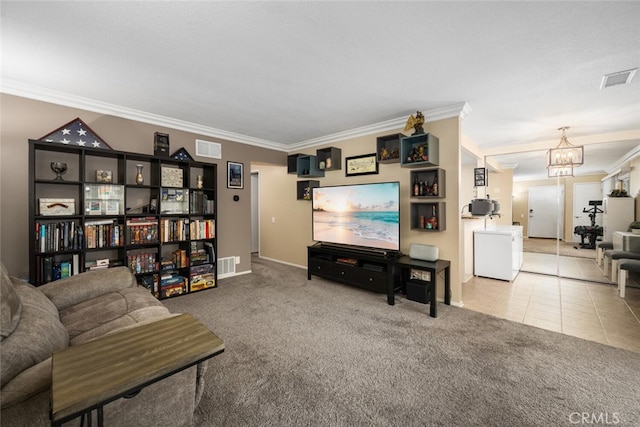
[{"x": 35, "y": 322}]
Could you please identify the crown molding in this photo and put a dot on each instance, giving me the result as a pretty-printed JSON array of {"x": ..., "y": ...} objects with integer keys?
[
  {"x": 460, "y": 110},
  {"x": 12, "y": 87}
]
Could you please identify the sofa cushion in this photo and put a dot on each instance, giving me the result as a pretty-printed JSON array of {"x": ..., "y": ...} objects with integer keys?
[
  {"x": 10, "y": 306},
  {"x": 38, "y": 334},
  {"x": 103, "y": 314},
  {"x": 26, "y": 384},
  {"x": 73, "y": 290}
]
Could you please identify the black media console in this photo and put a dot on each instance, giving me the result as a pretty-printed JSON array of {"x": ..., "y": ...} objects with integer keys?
[
  {"x": 377, "y": 272},
  {"x": 367, "y": 270}
]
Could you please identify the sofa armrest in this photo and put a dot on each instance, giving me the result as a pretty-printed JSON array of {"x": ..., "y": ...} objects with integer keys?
[{"x": 73, "y": 290}]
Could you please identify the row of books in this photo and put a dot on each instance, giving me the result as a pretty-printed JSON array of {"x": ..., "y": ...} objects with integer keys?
[
  {"x": 51, "y": 269},
  {"x": 200, "y": 203},
  {"x": 58, "y": 236},
  {"x": 174, "y": 229},
  {"x": 103, "y": 234},
  {"x": 142, "y": 230},
  {"x": 202, "y": 229},
  {"x": 142, "y": 263}
]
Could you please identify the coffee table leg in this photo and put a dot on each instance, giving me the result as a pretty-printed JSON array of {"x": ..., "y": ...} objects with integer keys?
[{"x": 100, "y": 417}]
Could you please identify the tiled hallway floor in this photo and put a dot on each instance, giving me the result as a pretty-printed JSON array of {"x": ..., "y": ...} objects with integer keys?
[{"x": 578, "y": 307}]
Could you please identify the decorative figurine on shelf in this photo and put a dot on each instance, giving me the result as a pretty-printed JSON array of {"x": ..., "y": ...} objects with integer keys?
[
  {"x": 384, "y": 154},
  {"x": 59, "y": 168},
  {"x": 416, "y": 123}
]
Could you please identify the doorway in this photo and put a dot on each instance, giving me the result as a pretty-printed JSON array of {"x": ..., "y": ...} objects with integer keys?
[
  {"x": 546, "y": 214},
  {"x": 255, "y": 212}
]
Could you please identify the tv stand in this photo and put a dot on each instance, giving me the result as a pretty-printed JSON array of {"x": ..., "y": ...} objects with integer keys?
[{"x": 370, "y": 270}]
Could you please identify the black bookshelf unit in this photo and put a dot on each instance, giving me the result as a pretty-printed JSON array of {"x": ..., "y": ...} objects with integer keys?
[
  {"x": 367, "y": 270},
  {"x": 102, "y": 214}
]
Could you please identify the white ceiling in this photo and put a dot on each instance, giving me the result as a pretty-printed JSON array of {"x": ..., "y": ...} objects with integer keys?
[{"x": 288, "y": 75}]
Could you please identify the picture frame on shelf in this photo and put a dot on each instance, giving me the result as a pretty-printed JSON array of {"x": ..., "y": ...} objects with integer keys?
[
  {"x": 235, "y": 175},
  {"x": 94, "y": 207},
  {"x": 171, "y": 177},
  {"x": 153, "y": 205},
  {"x": 366, "y": 164},
  {"x": 112, "y": 207},
  {"x": 103, "y": 176}
]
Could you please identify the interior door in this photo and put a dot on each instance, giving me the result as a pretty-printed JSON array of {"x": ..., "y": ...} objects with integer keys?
[
  {"x": 255, "y": 213},
  {"x": 545, "y": 213},
  {"x": 583, "y": 193}
]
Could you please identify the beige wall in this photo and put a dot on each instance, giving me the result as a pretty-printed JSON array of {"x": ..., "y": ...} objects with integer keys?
[
  {"x": 284, "y": 221},
  {"x": 288, "y": 238},
  {"x": 521, "y": 200},
  {"x": 23, "y": 119}
]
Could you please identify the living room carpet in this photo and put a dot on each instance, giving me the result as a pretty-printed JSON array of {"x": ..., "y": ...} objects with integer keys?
[{"x": 318, "y": 353}]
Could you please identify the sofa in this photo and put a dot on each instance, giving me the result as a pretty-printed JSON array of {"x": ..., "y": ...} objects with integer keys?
[{"x": 37, "y": 321}]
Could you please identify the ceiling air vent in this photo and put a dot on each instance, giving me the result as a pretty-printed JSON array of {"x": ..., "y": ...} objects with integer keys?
[
  {"x": 619, "y": 78},
  {"x": 208, "y": 149}
]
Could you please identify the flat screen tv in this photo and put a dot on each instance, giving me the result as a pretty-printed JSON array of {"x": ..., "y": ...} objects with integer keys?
[{"x": 360, "y": 215}]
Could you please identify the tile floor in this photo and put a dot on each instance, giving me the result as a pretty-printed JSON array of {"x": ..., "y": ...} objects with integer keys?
[{"x": 583, "y": 307}]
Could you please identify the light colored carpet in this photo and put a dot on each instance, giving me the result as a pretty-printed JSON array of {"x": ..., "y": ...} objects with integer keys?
[
  {"x": 549, "y": 246},
  {"x": 318, "y": 353}
]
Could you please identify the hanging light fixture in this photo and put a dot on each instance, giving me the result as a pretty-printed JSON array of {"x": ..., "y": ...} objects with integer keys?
[
  {"x": 565, "y": 155},
  {"x": 555, "y": 171}
]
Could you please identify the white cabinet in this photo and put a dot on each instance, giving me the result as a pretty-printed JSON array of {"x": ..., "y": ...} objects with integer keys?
[
  {"x": 498, "y": 252},
  {"x": 618, "y": 213}
]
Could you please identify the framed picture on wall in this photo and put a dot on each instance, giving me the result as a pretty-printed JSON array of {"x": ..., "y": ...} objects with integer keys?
[
  {"x": 361, "y": 165},
  {"x": 235, "y": 175},
  {"x": 480, "y": 177}
]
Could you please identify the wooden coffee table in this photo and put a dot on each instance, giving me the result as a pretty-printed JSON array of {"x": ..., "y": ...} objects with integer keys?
[{"x": 90, "y": 375}]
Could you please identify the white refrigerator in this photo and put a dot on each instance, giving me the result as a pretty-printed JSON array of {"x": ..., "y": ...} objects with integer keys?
[
  {"x": 618, "y": 213},
  {"x": 497, "y": 252}
]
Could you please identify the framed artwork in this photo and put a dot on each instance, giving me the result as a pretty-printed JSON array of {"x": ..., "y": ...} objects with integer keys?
[
  {"x": 480, "y": 177},
  {"x": 104, "y": 176},
  {"x": 365, "y": 164},
  {"x": 235, "y": 175},
  {"x": 112, "y": 207}
]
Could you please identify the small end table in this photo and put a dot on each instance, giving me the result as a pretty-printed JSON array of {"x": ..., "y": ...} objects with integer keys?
[{"x": 403, "y": 264}]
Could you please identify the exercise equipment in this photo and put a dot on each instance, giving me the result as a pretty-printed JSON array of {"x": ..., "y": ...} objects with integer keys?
[{"x": 589, "y": 234}]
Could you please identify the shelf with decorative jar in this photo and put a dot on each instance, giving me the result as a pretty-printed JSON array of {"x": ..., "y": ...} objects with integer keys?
[
  {"x": 427, "y": 183},
  {"x": 428, "y": 216}
]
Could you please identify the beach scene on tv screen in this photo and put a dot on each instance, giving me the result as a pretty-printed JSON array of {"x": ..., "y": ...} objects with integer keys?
[{"x": 361, "y": 215}]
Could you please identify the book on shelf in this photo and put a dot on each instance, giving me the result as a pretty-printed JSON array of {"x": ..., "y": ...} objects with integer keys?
[
  {"x": 51, "y": 268},
  {"x": 103, "y": 234},
  {"x": 142, "y": 262},
  {"x": 170, "y": 280},
  {"x": 174, "y": 229},
  {"x": 172, "y": 290},
  {"x": 179, "y": 258},
  {"x": 143, "y": 230},
  {"x": 58, "y": 236}
]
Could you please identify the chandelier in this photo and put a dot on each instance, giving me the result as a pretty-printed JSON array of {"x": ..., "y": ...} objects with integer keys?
[
  {"x": 555, "y": 171},
  {"x": 564, "y": 157}
]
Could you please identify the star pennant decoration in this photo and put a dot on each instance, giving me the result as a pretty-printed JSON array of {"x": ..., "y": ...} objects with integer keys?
[
  {"x": 182, "y": 154},
  {"x": 76, "y": 133}
]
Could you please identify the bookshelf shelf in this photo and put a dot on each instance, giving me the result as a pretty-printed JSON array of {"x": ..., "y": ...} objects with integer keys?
[{"x": 107, "y": 219}]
